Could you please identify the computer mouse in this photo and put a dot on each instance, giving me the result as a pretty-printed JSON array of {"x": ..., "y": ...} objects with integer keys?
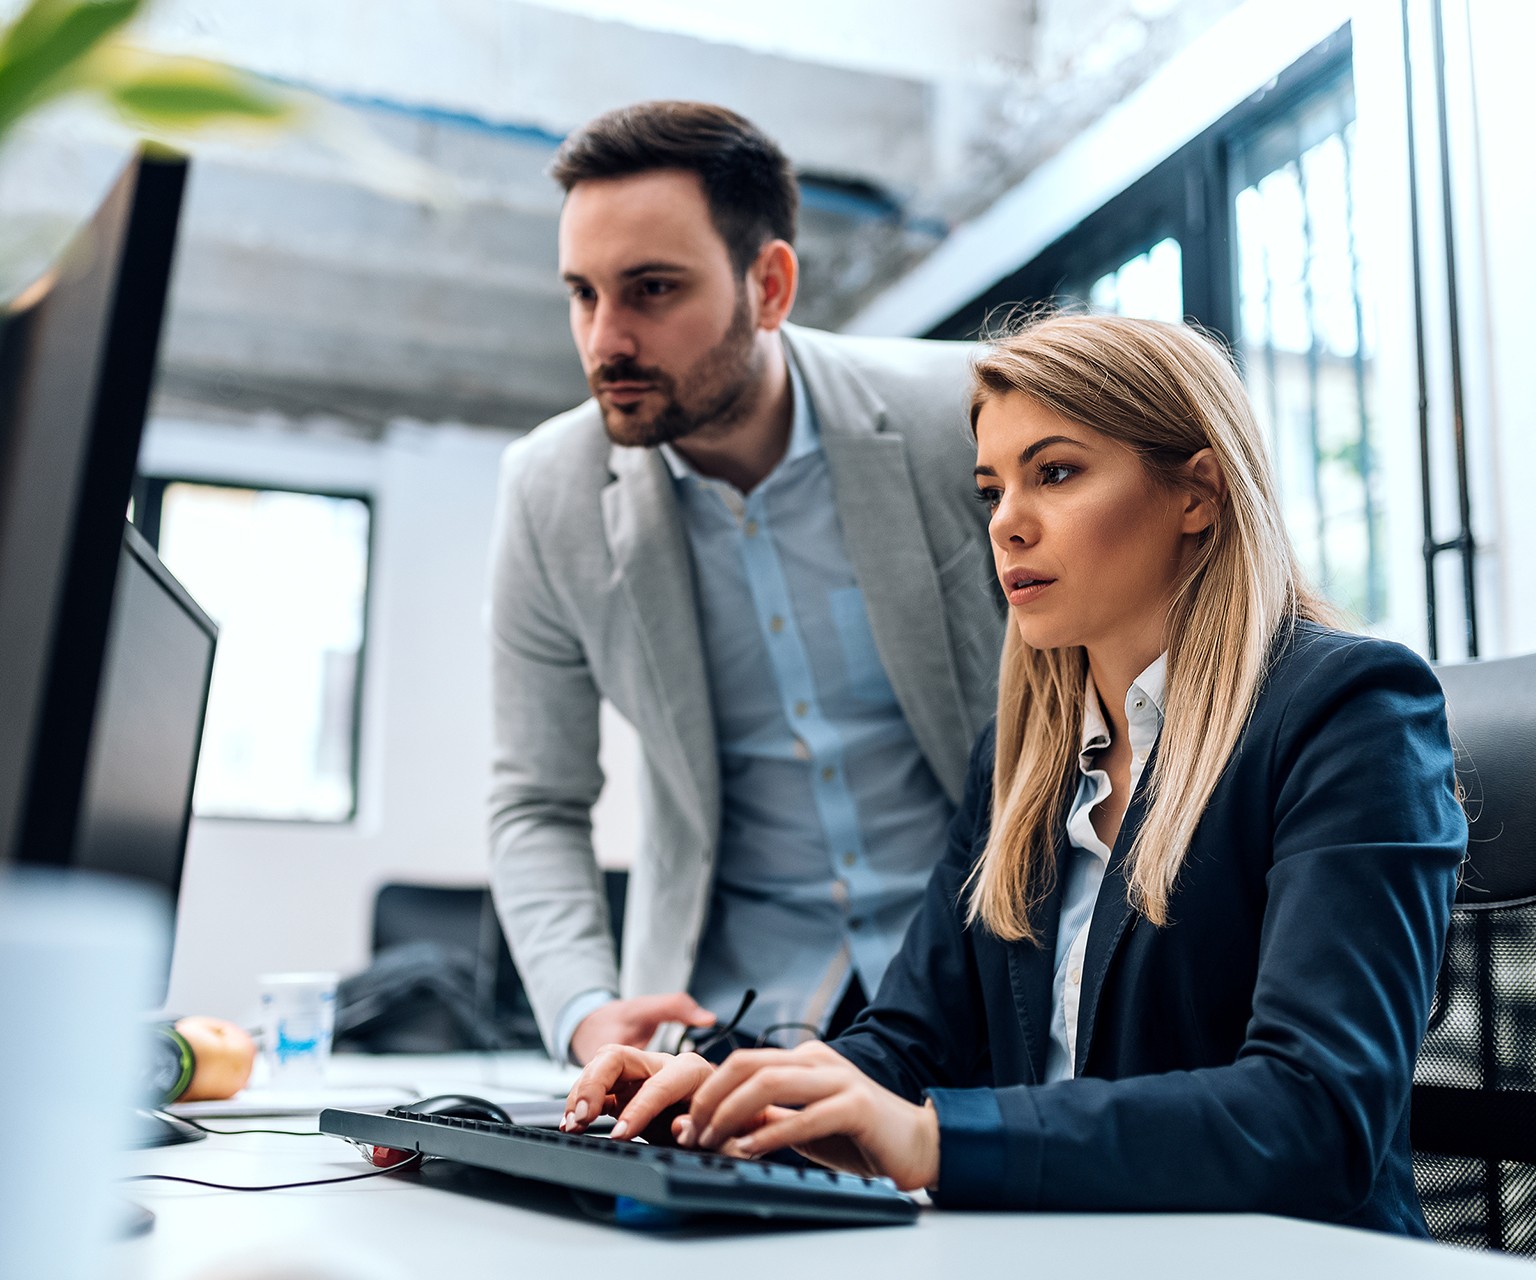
[{"x": 459, "y": 1106}]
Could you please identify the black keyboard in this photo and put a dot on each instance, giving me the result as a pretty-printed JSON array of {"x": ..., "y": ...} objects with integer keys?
[{"x": 667, "y": 1178}]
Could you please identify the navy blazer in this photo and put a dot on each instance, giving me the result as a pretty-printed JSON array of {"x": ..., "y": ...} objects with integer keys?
[{"x": 1256, "y": 1053}]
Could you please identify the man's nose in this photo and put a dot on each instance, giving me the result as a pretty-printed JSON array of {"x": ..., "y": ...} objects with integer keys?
[{"x": 609, "y": 337}]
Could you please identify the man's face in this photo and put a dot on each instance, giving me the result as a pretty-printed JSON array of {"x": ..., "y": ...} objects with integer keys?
[{"x": 665, "y": 329}]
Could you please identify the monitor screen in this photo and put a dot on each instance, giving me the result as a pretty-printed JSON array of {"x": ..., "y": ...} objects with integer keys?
[
  {"x": 136, "y": 801},
  {"x": 77, "y": 360}
]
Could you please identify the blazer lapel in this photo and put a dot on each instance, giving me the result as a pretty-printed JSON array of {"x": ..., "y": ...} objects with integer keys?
[
  {"x": 1031, "y": 968},
  {"x": 1111, "y": 914},
  {"x": 883, "y": 532},
  {"x": 651, "y": 555}
]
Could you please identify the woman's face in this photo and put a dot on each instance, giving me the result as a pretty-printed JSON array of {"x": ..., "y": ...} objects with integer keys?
[{"x": 1088, "y": 545}]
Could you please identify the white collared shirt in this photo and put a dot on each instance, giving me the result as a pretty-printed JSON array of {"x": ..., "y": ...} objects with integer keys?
[{"x": 1087, "y": 857}]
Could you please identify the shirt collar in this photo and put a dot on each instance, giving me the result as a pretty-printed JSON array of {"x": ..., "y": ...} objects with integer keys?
[
  {"x": 1149, "y": 688},
  {"x": 804, "y": 431}
]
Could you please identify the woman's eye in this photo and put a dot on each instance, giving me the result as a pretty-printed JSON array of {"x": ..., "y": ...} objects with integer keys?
[
  {"x": 989, "y": 498},
  {"x": 1054, "y": 472}
]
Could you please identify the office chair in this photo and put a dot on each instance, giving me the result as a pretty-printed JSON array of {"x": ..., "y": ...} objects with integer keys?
[
  {"x": 1474, "y": 1094},
  {"x": 442, "y": 977}
]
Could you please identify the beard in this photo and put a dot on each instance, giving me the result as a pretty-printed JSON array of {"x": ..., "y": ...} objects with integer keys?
[{"x": 716, "y": 393}]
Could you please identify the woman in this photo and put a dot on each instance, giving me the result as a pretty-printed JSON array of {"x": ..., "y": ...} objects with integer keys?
[{"x": 1181, "y": 950}]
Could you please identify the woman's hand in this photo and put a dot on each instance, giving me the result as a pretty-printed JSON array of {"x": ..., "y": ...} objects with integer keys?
[
  {"x": 646, "y": 1091},
  {"x": 816, "y": 1101}
]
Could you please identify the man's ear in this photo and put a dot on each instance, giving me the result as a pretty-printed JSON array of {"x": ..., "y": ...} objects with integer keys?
[
  {"x": 1205, "y": 492},
  {"x": 774, "y": 276}
]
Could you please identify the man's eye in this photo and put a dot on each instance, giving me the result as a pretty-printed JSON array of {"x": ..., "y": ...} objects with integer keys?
[
  {"x": 581, "y": 293},
  {"x": 656, "y": 288}
]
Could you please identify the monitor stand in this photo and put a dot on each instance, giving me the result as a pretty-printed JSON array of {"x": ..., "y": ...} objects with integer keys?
[
  {"x": 148, "y": 1129},
  {"x": 156, "y": 1129},
  {"x": 129, "y": 1220}
]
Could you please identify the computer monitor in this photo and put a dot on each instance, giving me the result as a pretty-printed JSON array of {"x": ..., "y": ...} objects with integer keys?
[
  {"x": 136, "y": 799},
  {"x": 77, "y": 360}
]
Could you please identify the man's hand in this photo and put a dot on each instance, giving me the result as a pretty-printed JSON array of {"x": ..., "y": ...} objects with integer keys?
[
  {"x": 633, "y": 1022},
  {"x": 222, "y": 1054}
]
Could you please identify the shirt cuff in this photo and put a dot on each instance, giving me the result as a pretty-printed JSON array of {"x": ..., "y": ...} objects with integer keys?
[
  {"x": 577, "y": 1008},
  {"x": 985, "y": 1163}
]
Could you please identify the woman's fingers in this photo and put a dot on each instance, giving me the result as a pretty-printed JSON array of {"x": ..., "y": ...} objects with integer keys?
[
  {"x": 728, "y": 1077},
  {"x": 832, "y": 1116},
  {"x": 786, "y": 1084},
  {"x": 674, "y": 1083},
  {"x": 612, "y": 1069}
]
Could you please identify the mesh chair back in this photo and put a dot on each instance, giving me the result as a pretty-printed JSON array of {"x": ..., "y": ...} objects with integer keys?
[{"x": 1474, "y": 1098}]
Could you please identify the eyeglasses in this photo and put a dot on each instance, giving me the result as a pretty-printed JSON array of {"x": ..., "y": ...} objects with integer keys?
[{"x": 702, "y": 1040}]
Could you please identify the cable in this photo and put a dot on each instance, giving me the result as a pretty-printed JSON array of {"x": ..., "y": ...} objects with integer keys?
[
  {"x": 412, "y": 1163},
  {"x": 291, "y": 1133}
]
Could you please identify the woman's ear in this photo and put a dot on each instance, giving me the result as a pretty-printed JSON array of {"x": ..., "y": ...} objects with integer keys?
[{"x": 1205, "y": 491}]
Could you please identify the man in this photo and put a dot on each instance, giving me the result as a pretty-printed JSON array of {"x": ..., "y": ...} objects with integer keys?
[{"x": 760, "y": 544}]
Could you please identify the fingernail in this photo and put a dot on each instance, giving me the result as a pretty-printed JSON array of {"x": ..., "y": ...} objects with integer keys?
[
  {"x": 747, "y": 1146},
  {"x": 581, "y": 1109},
  {"x": 619, "y": 1130},
  {"x": 707, "y": 1138},
  {"x": 566, "y": 1123},
  {"x": 685, "y": 1135}
]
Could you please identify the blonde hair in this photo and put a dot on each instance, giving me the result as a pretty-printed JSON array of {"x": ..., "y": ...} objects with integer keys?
[{"x": 1165, "y": 391}]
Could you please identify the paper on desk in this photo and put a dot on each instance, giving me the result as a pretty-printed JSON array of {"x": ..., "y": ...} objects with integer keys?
[
  {"x": 541, "y": 1113},
  {"x": 263, "y": 1101}
]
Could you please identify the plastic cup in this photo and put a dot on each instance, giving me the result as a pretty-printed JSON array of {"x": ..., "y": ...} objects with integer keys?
[{"x": 298, "y": 1014}]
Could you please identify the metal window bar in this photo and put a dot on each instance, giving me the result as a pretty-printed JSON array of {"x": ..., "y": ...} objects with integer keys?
[
  {"x": 1463, "y": 542},
  {"x": 1314, "y": 394},
  {"x": 1374, "y": 594}
]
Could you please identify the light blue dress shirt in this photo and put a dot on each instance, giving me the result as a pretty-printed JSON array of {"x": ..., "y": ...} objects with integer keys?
[
  {"x": 1088, "y": 856},
  {"x": 831, "y": 819}
]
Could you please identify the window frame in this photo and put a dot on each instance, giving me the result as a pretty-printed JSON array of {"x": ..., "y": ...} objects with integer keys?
[
  {"x": 1187, "y": 197},
  {"x": 148, "y": 495}
]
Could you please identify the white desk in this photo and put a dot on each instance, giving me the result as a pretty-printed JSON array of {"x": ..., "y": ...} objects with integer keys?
[{"x": 448, "y": 1221}]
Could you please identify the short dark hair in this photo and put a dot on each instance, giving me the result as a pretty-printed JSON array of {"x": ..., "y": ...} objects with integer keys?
[{"x": 751, "y": 188}]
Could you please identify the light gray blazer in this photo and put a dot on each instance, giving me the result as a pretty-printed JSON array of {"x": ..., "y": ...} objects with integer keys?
[{"x": 592, "y": 597}]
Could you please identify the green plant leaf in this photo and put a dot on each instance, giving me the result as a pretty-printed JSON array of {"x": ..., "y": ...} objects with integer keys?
[
  {"x": 167, "y": 101},
  {"x": 47, "y": 43},
  {"x": 167, "y": 92}
]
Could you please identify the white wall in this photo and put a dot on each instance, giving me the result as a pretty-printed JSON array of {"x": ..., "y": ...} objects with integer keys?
[
  {"x": 1501, "y": 265},
  {"x": 259, "y": 897}
]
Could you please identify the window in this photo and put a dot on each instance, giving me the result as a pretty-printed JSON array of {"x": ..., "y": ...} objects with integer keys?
[
  {"x": 1150, "y": 285},
  {"x": 285, "y": 575},
  {"x": 1250, "y": 230},
  {"x": 1304, "y": 336}
]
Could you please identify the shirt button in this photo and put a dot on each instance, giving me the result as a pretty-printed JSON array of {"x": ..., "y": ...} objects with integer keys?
[
  {"x": 776, "y": 624},
  {"x": 855, "y": 924},
  {"x": 1139, "y": 703},
  {"x": 1076, "y": 975},
  {"x": 801, "y": 708},
  {"x": 828, "y": 774},
  {"x": 850, "y": 858},
  {"x": 750, "y": 528}
]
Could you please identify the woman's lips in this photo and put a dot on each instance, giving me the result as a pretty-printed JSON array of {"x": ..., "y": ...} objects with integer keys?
[{"x": 1024, "y": 587}]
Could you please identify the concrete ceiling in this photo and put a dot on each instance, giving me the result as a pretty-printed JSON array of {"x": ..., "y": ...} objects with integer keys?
[{"x": 304, "y": 292}]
